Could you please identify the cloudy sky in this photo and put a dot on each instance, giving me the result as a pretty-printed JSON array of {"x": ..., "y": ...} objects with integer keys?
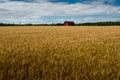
[{"x": 58, "y": 11}]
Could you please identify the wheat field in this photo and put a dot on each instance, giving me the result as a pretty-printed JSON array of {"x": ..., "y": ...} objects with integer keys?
[{"x": 60, "y": 53}]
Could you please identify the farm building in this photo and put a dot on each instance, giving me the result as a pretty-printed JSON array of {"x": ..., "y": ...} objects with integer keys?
[{"x": 69, "y": 23}]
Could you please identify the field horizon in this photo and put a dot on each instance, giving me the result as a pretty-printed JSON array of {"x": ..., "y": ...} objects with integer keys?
[{"x": 60, "y": 53}]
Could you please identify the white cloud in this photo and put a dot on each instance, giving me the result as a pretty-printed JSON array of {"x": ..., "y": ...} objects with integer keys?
[
  {"x": 26, "y": 0},
  {"x": 21, "y": 12}
]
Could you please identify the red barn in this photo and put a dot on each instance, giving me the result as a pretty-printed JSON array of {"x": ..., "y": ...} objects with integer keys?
[{"x": 69, "y": 23}]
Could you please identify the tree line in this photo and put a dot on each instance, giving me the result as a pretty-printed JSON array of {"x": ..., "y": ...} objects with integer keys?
[{"x": 61, "y": 24}]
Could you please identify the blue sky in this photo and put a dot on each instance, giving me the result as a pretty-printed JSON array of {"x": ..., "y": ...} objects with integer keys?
[
  {"x": 58, "y": 11},
  {"x": 113, "y": 2}
]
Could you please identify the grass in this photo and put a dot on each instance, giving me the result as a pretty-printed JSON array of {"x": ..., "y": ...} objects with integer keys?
[{"x": 60, "y": 53}]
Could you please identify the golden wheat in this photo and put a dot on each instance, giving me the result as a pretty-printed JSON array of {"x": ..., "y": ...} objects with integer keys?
[{"x": 60, "y": 53}]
